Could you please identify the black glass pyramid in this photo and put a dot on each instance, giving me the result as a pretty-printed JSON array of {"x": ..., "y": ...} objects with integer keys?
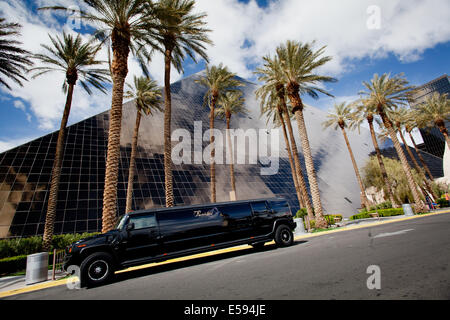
[{"x": 25, "y": 171}]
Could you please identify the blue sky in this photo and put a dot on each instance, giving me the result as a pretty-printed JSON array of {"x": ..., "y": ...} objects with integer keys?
[{"x": 412, "y": 37}]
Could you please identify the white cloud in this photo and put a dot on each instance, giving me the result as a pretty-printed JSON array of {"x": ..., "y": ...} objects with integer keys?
[
  {"x": 243, "y": 33},
  {"x": 407, "y": 29},
  {"x": 8, "y": 144},
  {"x": 44, "y": 94}
]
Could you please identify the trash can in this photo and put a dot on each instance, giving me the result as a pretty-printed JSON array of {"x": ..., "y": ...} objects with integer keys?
[
  {"x": 407, "y": 210},
  {"x": 300, "y": 229},
  {"x": 37, "y": 268}
]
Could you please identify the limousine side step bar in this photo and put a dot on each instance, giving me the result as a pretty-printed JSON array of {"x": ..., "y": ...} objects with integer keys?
[{"x": 212, "y": 247}]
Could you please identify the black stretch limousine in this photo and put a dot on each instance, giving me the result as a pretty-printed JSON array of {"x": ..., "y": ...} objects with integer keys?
[{"x": 159, "y": 234}]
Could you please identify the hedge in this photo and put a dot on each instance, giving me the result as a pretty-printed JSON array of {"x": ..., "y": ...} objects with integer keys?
[
  {"x": 381, "y": 213},
  {"x": 13, "y": 264},
  {"x": 26, "y": 246},
  {"x": 443, "y": 203},
  {"x": 14, "y": 252},
  {"x": 331, "y": 219}
]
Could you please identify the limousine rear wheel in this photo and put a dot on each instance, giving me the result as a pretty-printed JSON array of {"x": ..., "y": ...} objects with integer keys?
[
  {"x": 283, "y": 236},
  {"x": 96, "y": 269}
]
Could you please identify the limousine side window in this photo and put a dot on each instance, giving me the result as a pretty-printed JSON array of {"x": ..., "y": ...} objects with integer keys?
[
  {"x": 143, "y": 222},
  {"x": 274, "y": 204},
  {"x": 236, "y": 211},
  {"x": 259, "y": 208}
]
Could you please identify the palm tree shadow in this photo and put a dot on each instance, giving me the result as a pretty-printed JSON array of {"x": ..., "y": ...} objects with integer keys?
[{"x": 194, "y": 262}]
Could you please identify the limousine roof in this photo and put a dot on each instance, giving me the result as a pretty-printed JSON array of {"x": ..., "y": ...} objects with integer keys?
[{"x": 194, "y": 206}]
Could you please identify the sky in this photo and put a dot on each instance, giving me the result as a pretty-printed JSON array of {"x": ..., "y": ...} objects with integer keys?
[{"x": 364, "y": 37}]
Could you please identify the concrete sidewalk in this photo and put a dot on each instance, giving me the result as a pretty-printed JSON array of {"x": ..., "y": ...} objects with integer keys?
[
  {"x": 16, "y": 285},
  {"x": 18, "y": 282}
]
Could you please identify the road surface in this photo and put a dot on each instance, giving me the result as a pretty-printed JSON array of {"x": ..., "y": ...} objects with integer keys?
[{"x": 411, "y": 258}]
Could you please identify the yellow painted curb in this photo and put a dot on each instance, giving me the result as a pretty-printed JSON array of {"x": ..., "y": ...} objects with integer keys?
[
  {"x": 61, "y": 282},
  {"x": 32, "y": 288},
  {"x": 369, "y": 225}
]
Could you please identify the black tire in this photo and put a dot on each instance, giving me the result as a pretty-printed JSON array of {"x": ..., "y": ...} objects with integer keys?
[
  {"x": 258, "y": 246},
  {"x": 283, "y": 236},
  {"x": 96, "y": 269}
]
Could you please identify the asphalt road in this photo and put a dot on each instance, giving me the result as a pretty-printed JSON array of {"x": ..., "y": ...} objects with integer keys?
[{"x": 413, "y": 258}]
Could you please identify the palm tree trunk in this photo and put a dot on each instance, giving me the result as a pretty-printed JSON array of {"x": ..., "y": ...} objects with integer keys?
[
  {"x": 424, "y": 164},
  {"x": 441, "y": 126},
  {"x": 297, "y": 105},
  {"x": 364, "y": 200},
  {"x": 416, "y": 164},
  {"x": 132, "y": 168},
  {"x": 419, "y": 205},
  {"x": 56, "y": 174},
  {"x": 291, "y": 160},
  {"x": 298, "y": 169},
  {"x": 168, "y": 132},
  {"x": 381, "y": 163},
  {"x": 213, "y": 148},
  {"x": 119, "y": 71},
  {"x": 232, "y": 178}
]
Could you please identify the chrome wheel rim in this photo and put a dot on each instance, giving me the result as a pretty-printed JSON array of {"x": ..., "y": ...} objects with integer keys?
[
  {"x": 98, "y": 270},
  {"x": 285, "y": 236}
]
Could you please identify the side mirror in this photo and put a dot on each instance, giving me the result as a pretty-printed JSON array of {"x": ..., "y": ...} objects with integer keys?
[{"x": 130, "y": 226}]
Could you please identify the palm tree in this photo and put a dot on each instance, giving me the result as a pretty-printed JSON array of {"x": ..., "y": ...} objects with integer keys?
[
  {"x": 129, "y": 26},
  {"x": 410, "y": 124},
  {"x": 400, "y": 116},
  {"x": 365, "y": 111},
  {"x": 273, "y": 93},
  {"x": 147, "y": 97},
  {"x": 231, "y": 103},
  {"x": 298, "y": 62},
  {"x": 387, "y": 93},
  {"x": 13, "y": 59},
  {"x": 179, "y": 33},
  {"x": 338, "y": 118},
  {"x": 219, "y": 80},
  {"x": 77, "y": 60},
  {"x": 273, "y": 110},
  {"x": 271, "y": 107},
  {"x": 434, "y": 112}
]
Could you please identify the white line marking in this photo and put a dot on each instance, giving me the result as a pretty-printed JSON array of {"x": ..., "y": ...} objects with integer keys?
[{"x": 382, "y": 235}]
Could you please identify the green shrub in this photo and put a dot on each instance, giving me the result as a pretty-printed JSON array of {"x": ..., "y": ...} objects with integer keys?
[
  {"x": 18, "y": 263},
  {"x": 312, "y": 224},
  {"x": 443, "y": 203},
  {"x": 362, "y": 215},
  {"x": 391, "y": 212},
  {"x": 13, "y": 264},
  {"x": 18, "y": 247},
  {"x": 26, "y": 246},
  {"x": 330, "y": 219},
  {"x": 301, "y": 213},
  {"x": 381, "y": 213}
]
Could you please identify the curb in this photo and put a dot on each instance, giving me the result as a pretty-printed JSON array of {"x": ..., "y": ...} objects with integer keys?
[{"x": 61, "y": 282}]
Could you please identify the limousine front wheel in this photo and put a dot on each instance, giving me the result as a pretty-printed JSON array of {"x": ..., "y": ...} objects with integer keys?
[
  {"x": 96, "y": 269},
  {"x": 283, "y": 236}
]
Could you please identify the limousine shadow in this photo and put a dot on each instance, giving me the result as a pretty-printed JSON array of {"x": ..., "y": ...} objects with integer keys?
[{"x": 160, "y": 268}]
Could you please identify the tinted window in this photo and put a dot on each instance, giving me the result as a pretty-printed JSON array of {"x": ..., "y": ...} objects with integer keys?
[
  {"x": 259, "y": 207},
  {"x": 175, "y": 217},
  {"x": 236, "y": 211},
  {"x": 278, "y": 204},
  {"x": 184, "y": 217},
  {"x": 142, "y": 222}
]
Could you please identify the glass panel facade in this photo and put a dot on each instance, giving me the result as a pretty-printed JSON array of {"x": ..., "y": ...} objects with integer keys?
[
  {"x": 433, "y": 140},
  {"x": 25, "y": 171}
]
